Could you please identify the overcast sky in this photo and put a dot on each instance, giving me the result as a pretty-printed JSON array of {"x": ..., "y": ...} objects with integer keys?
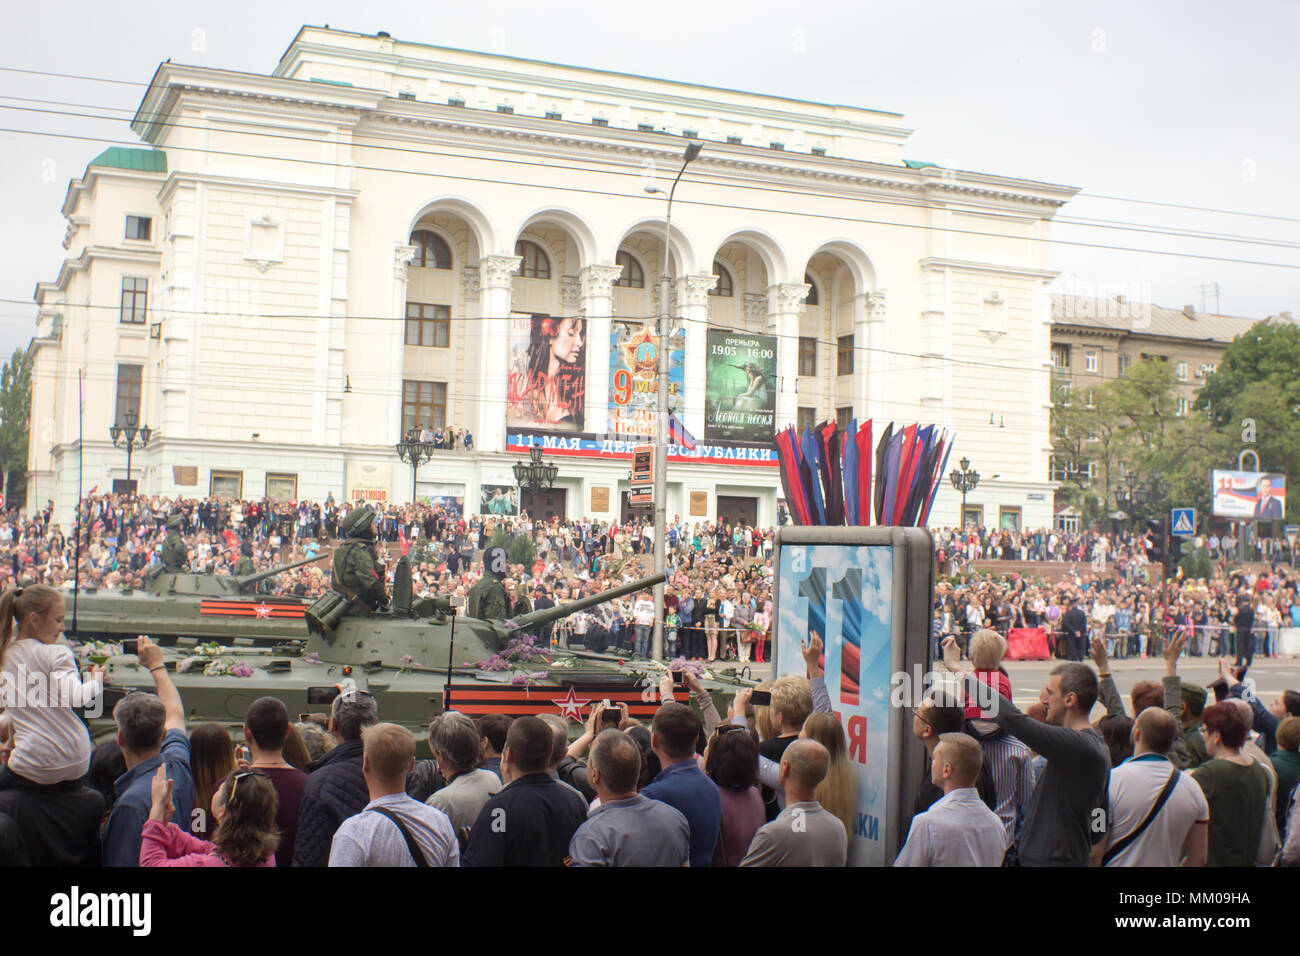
[{"x": 1190, "y": 103}]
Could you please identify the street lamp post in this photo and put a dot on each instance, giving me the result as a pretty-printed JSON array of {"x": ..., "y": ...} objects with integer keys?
[
  {"x": 536, "y": 475},
  {"x": 964, "y": 479},
  {"x": 661, "y": 406},
  {"x": 414, "y": 453},
  {"x": 124, "y": 436}
]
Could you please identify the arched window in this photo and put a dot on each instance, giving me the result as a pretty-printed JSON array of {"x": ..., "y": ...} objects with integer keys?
[
  {"x": 430, "y": 250},
  {"x": 724, "y": 286},
  {"x": 812, "y": 292},
  {"x": 633, "y": 276},
  {"x": 535, "y": 265}
]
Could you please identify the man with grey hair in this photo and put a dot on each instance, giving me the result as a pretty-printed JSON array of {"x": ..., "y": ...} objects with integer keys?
[
  {"x": 336, "y": 785},
  {"x": 151, "y": 733},
  {"x": 627, "y": 829},
  {"x": 454, "y": 740},
  {"x": 804, "y": 833},
  {"x": 568, "y": 770}
]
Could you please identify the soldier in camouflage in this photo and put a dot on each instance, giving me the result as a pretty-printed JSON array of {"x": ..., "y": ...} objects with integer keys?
[
  {"x": 357, "y": 573},
  {"x": 245, "y": 563},
  {"x": 174, "y": 553},
  {"x": 488, "y": 598}
]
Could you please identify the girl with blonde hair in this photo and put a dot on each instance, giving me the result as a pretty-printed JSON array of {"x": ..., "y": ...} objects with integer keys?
[{"x": 838, "y": 791}]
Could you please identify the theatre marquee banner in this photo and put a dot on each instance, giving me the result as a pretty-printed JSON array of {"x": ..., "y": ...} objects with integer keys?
[{"x": 740, "y": 397}]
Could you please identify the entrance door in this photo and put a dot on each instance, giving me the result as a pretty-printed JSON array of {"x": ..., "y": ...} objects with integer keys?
[
  {"x": 627, "y": 513},
  {"x": 737, "y": 509},
  {"x": 545, "y": 504}
]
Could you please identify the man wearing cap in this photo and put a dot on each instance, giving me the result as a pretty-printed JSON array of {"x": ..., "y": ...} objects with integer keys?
[
  {"x": 245, "y": 563},
  {"x": 357, "y": 574},
  {"x": 488, "y": 597},
  {"x": 173, "y": 550},
  {"x": 1190, "y": 752}
]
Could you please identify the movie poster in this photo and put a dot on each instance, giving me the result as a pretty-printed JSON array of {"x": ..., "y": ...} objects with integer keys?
[
  {"x": 740, "y": 398},
  {"x": 634, "y": 379},
  {"x": 547, "y": 379},
  {"x": 845, "y": 594},
  {"x": 501, "y": 501}
]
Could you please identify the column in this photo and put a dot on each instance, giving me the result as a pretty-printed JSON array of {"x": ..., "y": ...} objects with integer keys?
[
  {"x": 695, "y": 313},
  {"x": 596, "y": 302},
  {"x": 471, "y": 356},
  {"x": 785, "y": 304},
  {"x": 494, "y": 274},
  {"x": 877, "y": 360},
  {"x": 392, "y": 432},
  {"x": 861, "y": 398}
]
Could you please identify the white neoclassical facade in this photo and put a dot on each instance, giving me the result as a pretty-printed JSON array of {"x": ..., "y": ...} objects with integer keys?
[{"x": 295, "y": 269}]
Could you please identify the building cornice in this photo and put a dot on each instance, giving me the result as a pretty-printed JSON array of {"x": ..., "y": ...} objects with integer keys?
[
  {"x": 86, "y": 259},
  {"x": 182, "y": 178},
  {"x": 938, "y": 264}
]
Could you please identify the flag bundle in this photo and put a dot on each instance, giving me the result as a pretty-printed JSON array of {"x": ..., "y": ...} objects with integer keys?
[{"x": 834, "y": 477}]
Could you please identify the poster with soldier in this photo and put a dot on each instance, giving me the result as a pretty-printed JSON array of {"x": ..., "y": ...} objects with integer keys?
[{"x": 740, "y": 397}]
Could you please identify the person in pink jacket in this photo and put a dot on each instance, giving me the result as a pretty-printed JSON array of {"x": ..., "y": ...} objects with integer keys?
[{"x": 246, "y": 835}]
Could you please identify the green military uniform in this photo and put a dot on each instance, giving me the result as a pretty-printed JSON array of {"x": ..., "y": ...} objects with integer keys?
[
  {"x": 243, "y": 566},
  {"x": 487, "y": 599},
  {"x": 175, "y": 556},
  {"x": 357, "y": 573},
  {"x": 522, "y": 605},
  {"x": 1189, "y": 750}
]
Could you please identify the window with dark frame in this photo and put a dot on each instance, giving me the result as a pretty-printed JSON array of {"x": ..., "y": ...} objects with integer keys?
[
  {"x": 633, "y": 276},
  {"x": 431, "y": 251},
  {"x": 535, "y": 264},
  {"x": 842, "y": 417},
  {"x": 424, "y": 404},
  {"x": 139, "y": 227},
  {"x": 807, "y": 418},
  {"x": 130, "y": 379},
  {"x": 844, "y": 355},
  {"x": 135, "y": 297},
  {"x": 807, "y": 355},
  {"x": 428, "y": 325},
  {"x": 723, "y": 288},
  {"x": 552, "y": 115}
]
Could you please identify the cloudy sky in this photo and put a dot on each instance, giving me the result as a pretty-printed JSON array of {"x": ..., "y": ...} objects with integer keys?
[{"x": 1188, "y": 106}]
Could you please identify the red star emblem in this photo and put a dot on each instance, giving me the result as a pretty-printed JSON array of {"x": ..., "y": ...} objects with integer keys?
[
  {"x": 570, "y": 706},
  {"x": 263, "y": 610}
]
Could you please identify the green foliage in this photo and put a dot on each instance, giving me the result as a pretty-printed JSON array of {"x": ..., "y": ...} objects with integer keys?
[
  {"x": 519, "y": 547},
  {"x": 1197, "y": 564},
  {"x": 15, "y": 417}
]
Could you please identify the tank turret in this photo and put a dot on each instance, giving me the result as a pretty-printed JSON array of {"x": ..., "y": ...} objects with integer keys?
[{"x": 207, "y": 584}]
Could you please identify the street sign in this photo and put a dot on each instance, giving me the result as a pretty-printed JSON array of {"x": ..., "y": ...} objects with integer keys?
[
  {"x": 643, "y": 465},
  {"x": 640, "y": 499},
  {"x": 1182, "y": 522}
]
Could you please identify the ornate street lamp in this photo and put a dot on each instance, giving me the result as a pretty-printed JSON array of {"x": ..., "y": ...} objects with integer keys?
[
  {"x": 964, "y": 480},
  {"x": 536, "y": 475},
  {"x": 124, "y": 436},
  {"x": 414, "y": 453}
]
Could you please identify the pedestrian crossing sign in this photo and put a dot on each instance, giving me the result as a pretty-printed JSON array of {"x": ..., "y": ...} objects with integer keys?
[{"x": 1182, "y": 521}]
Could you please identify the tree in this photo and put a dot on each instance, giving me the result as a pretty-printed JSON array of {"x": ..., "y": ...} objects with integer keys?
[
  {"x": 15, "y": 419},
  {"x": 519, "y": 547}
]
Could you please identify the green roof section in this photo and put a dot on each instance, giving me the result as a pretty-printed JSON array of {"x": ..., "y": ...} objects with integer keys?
[
  {"x": 917, "y": 164},
  {"x": 142, "y": 160},
  {"x": 331, "y": 82}
]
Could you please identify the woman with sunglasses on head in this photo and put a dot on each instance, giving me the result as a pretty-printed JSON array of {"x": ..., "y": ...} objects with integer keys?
[{"x": 246, "y": 834}]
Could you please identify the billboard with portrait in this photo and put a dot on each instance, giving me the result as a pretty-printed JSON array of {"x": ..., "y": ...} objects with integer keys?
[
  {"x": 499, "y": 500},
  {"x": 547, "y": 373},
  {"x": 740, "y": 395},
  {"x": 1249, "y": 494},
  {"x": 634, "y": 378}
]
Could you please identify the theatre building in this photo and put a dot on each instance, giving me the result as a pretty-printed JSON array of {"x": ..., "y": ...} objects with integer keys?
[{"x": 294, "y": 271}]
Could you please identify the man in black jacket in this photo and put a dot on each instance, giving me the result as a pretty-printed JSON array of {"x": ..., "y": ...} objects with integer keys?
[
  {"x": 336, "y": 788},
  {"x": 1074, "y": 632}
]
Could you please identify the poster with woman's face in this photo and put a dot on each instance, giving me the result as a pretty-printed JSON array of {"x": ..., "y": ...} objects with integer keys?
[{"x": 547, "y": 377}]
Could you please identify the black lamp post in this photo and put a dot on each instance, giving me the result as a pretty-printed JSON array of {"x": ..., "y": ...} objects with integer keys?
[
  {"x": 414, "y": 453},
  {"x": 964, "y": 480},
  {"x": 536, "y": 475},
  {"x": 124, "y": 436}
]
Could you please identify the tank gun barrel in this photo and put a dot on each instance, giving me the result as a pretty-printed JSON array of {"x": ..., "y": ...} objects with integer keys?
[
  {"x": 546, "y": 615},
  {"x": 247, "y": 580}
]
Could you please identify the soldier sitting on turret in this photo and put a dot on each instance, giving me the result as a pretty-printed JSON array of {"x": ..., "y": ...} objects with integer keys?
[
  {"x": 174, "y": 552},
  {"x": 488, "y": 599},
  {"x": 245, "y": 563},
  {"x": 357, "y": 574}
]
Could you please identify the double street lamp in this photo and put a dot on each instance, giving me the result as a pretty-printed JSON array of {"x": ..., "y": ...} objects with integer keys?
[
  {"x": 124, "y": 436},
  {"x": 414, "y": 453},
  {"x": 661, "y": 405},
  {"x": 964, "y": 480},
  {"x": 536, "y": 475}
]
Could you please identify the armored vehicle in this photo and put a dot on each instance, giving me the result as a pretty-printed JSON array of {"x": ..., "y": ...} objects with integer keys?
[
  {"x": 416, "y": 661},
  {"x": 191, "y": 604}
]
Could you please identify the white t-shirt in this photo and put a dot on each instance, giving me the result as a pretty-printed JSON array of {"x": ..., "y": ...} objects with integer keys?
[
  {"x": 39, "y": 688},
  {"x": 1134, "y": 786}
]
